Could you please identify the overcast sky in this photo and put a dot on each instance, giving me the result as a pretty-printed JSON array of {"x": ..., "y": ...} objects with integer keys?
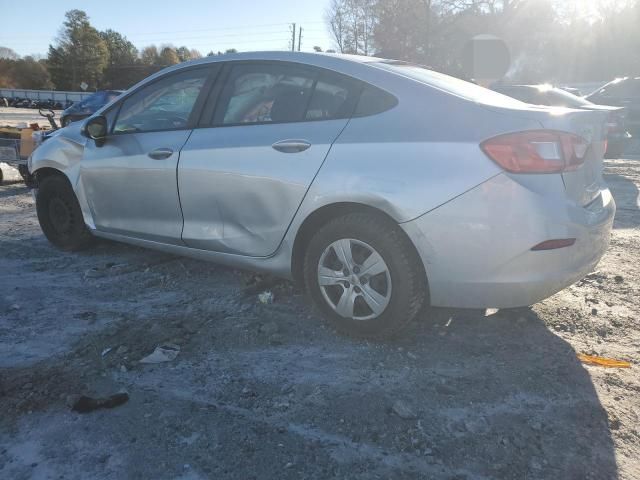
[{"x": 29, "y": 27}]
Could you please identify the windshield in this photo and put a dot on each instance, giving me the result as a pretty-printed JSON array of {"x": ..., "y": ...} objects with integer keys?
[
  {"x": 460, "y": 88},
  {"x": 97, "y": 100}
]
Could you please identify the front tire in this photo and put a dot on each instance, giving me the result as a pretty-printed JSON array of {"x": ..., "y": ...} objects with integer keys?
[
  {"x": 60, "y": 216},
  {"x": 364, "y": 275}
]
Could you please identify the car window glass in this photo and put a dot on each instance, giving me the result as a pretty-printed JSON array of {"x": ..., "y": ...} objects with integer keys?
[
  {"x": 265, "y": 93},
  {"x": 373, "y": 101},
  {"x": 623, "y": 88},
  {"x": 164, "y": 105},
  {"x": 334, "y": 97}
]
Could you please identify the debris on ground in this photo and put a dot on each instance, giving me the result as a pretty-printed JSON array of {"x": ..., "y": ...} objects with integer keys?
[
  {"x": 163, "y": 353},
  {"x": 106, "y": 351},
  {"x": 86, "y": 404},
  {"x": 403, "y": 410},
  {"x": 603, "y": 362},
  {"x": 266, "y": 297}
]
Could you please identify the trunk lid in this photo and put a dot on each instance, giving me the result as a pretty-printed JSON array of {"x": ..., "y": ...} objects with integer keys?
[{"x": 582, "y": 185}]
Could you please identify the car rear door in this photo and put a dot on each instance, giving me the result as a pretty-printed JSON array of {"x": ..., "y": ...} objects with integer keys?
[
  {"x": 130, "y": 181},
  {"x": 265, "y": 133}
]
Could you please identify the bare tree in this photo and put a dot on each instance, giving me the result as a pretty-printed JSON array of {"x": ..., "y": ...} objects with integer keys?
[{"x": 337, "y": 19}]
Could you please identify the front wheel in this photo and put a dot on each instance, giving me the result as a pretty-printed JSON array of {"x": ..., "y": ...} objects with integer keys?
[
  {"x": 364, "y": 275},
  {"x": 60, "y": 216}
]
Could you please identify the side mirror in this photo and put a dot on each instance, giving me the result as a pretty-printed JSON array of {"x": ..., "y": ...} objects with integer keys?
[{"x": 96, "y": 128}]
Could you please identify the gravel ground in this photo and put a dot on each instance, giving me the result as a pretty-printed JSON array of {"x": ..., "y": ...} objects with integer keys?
[{"x": 267, "y": 391}]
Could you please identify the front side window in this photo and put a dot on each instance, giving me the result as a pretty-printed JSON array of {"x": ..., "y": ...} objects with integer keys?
[
  {"x": 265, "y": 94},
  {"x": 164, "y": 105}
]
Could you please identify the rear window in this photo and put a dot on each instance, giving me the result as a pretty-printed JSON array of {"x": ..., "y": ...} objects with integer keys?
[
  {"x": 562, "y": 98},
  {"x": 455, "y": 86}
]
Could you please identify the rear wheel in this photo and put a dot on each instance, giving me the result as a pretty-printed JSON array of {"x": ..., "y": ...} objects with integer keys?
[
  {"x": 60, "y": 216},
  {"x": 363, "y": 274}
]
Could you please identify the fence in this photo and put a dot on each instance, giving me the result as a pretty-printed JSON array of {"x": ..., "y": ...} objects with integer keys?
[{"x": 43, "y": 94}]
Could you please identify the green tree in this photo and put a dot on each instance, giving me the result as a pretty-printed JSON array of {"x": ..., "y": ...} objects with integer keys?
[
  {"x": 122, "y": 69},
  {"x": 79, "y": 55},
  {"x": 32, "y": 74}
]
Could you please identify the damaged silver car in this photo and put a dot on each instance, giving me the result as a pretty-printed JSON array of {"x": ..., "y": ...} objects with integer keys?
[{"x": 381, "y": 186}]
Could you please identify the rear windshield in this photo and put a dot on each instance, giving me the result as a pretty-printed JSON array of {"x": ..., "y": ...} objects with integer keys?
[
  {"x": 455, "y": 86},
  {"x": 562, "y": 98}
]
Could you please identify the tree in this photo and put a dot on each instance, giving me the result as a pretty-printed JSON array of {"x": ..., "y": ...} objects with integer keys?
[
  {"x": 351, "y": 23},
  {"x": 80, "y": 54},
  {"x": 122, "y": 68},
  {"x": 401, "y": 30},
  {"x": 8, "y": 54},
  {"x": 150, "y": 55},
  {"x": 183, "y": 54},
  {"x": 31, "y": 74},
  {"x": 24, "y": 72},
  {"x": 168, "y": 56}
]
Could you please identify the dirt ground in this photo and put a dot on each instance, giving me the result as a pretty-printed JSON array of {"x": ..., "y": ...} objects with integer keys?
[{"x": 268, "y": 391}]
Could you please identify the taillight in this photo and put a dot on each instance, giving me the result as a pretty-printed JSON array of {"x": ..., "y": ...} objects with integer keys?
[{"x": 538, "y": 151}]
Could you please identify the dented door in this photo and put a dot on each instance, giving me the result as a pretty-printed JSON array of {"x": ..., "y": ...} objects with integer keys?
[{"x": 240, "y": 186}]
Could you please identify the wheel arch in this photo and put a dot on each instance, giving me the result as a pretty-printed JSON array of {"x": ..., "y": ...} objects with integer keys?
[
  {"x": 45, "y": 172},
  {"x": 326, "y": 213}
]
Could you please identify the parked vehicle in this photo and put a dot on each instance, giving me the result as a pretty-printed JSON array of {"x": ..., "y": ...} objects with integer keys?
[
  {"x": 623, "y": 92},
  {"x": 380, "y": 185},
  {"x": 88, "y": 106},
  {"x": 618, "y": 137}
]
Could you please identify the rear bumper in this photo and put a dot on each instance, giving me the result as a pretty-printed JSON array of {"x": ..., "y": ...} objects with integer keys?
[{"x": 477, "y": 248}]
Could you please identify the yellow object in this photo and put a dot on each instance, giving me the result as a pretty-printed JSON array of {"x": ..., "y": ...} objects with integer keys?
[
  {"x": 603, "y": 362},
  {"x": 26, "y": 142}
]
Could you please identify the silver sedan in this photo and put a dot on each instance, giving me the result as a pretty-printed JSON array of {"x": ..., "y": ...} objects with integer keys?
[{"x": 381, "y": 186}]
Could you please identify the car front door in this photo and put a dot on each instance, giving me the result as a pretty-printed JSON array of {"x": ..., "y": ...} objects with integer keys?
[
  {"x": 242, "y": 177},
  {"x": 130, "y": 180}
]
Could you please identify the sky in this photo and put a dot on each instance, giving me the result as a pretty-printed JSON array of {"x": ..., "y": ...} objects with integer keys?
[{"x": 29, "y": 27}]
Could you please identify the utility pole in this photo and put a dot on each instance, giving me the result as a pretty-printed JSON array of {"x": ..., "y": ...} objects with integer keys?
[
  {"x": 293, "y": 37},
  {"x": 299, "y": 37}
]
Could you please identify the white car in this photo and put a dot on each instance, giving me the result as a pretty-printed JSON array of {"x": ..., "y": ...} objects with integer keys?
[{"x": 382, "y": 186}]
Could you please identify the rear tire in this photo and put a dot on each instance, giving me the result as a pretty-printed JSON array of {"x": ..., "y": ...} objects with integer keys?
[
  {"x": 60, "y": 216},
  {"x": 382, "y": 288}
]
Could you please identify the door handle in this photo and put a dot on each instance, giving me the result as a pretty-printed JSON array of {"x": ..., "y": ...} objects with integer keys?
[
  {"x": 291, "y": 146},
  {"x": 160, "y": 153}
]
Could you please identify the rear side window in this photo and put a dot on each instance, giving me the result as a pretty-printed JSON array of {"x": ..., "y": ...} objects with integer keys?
[
  {"x": 264, "y": 93},
  {"x": 373, "y": 100},
  {"x": 334, "y": 97}
]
